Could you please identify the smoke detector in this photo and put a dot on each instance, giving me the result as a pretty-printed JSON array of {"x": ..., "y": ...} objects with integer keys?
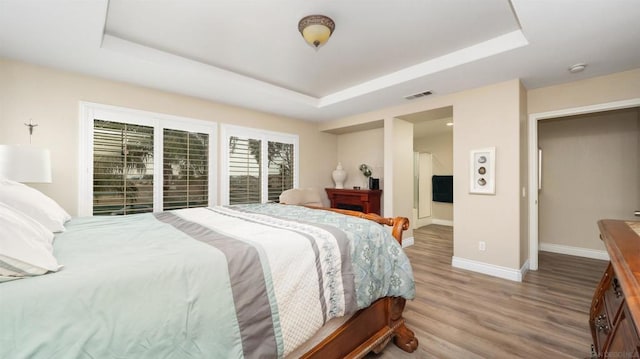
[{"x": 577, "y": 68}]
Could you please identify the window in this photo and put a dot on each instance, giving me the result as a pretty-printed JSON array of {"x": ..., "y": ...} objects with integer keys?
[
  {"x": 122, "y": 168},
  {"x": 135, "y": 162},
  {"x": 245, "y": 180},
  {"x": 280, "y": 158},
  {"x": 186, "y": 169},
  {"x": 258, "y": 165}
]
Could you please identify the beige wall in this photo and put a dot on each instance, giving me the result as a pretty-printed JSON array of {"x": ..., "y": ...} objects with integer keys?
[
  {"x": 615, "y": 87},
  {"x": 494, "y": 116},
  {"x": 590, "y": 171},
  {"x": 590, "y": 92},
  {"x": 361, "y": 147},
  {"x": 50, "y": 97},
  {"x": 441, "y": 148},
  {"x": 402, "y": 169},
  {"x": 488, "y": 116}
]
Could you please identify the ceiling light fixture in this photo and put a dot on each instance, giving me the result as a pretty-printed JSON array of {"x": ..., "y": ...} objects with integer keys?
[
  {"x": 449, "y": 124},
  {"x": 577, "y": 68},
  {"x": 316, "y": 29}
]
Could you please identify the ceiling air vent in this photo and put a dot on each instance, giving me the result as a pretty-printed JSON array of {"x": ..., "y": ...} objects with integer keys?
[{"x": 418, "y": 95}]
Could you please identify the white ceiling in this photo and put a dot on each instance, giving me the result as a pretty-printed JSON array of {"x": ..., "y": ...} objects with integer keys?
[
  {"x": 250, "y": 53},
  {"x": 431, "y": 123}
]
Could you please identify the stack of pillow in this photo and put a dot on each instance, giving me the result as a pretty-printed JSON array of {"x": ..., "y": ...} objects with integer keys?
[{"x": 28, "y": 221}]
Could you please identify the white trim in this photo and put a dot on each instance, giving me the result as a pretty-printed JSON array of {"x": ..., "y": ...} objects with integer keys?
[
  {"x": 524, "y": 269},
  {"x": 442, "y": 222},
  {"x": 533, "y": 161},
  {"x": 474, "y": 52},
  {"x": 533, "y": 192},
  {"x": 84, "y": 179},
  {"x": 425, "y": 221},
  {"x": 226, "y": 131},
  {"x": 170, "y": 60},
  {"x": 481, "y": 50},
  {"x": 490, "y": 269},
  {"x": 421, "y": 222},
  {"x": 407, "y": 242},
  {"x": 159, "y": 121},
  {"x": 158, "y": 147},
  {"x": 574, "y": 251}
]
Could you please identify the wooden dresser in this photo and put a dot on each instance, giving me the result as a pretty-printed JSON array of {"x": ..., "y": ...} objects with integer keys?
[
  {"x": 615, "y": 309},
  {"x": 367, "y": 201}
]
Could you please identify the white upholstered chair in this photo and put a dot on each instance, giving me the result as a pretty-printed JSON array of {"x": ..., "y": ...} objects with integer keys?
[{"x": 299, "y": 196}]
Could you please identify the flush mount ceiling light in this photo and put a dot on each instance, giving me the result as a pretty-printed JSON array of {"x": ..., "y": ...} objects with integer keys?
[
  {"x": 577, "y": 68},
  {"x": 316, "y": 29}
]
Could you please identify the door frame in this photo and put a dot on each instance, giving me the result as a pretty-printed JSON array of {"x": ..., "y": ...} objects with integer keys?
[{"x": 533, "y": 161}]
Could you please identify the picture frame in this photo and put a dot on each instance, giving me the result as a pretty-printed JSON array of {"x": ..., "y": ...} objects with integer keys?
[{"x": 482, "y": 171}]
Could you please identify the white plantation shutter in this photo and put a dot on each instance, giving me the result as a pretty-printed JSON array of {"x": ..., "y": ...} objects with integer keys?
[
  {"x": 185, "y": 169},
  {"x": 257, "y": 165},
  {"x": 281, "y": 168},
  {"x": 122, "y": 168},
  {"x": 244, "y": 170},
  {"x": 134, "y": 161}
]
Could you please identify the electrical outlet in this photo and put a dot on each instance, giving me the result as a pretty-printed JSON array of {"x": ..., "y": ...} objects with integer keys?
[{"x": 482, "y": 246}]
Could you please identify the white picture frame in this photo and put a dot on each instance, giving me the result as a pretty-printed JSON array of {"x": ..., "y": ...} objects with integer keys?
[{"x": 482, "y": 171}]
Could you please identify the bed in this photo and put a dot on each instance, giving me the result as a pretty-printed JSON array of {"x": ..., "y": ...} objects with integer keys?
[{"x": 252, "y": 281}]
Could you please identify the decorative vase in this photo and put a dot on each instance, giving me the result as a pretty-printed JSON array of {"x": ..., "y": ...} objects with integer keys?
[{"x": 339, "y": 175}]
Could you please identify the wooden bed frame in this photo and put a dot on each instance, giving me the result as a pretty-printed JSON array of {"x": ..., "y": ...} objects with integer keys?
[{"x": 371, "y": 328}]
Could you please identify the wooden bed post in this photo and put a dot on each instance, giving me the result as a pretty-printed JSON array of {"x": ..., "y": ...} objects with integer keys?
[{"x": 404, "y": 337}]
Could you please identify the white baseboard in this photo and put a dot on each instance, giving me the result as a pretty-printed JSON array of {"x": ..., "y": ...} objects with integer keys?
[
  {"x": 491, "y": 269},
  {"x": 574, "y": 251},
  {"x": 442, "y": 222},
  {"x": 524, "y": 269},
  {"x": 421, "y": 222},
  {"x": 406, "y": 242}
]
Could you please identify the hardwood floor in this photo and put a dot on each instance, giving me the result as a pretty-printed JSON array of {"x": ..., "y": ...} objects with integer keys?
[{"x": 463, "y": 314}]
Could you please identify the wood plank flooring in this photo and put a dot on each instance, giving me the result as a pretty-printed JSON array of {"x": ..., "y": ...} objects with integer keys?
[{"x": 463, "y": 314}]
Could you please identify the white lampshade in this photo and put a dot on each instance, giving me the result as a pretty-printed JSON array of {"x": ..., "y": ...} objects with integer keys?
[
  {"x": 25, "y": 163},
  {"x": 316, "y": 35}
]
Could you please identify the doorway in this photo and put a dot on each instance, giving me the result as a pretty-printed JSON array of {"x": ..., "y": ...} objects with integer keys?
[
  {"x": 535, "y": 163},
  {"x": 433, "y": 156}
]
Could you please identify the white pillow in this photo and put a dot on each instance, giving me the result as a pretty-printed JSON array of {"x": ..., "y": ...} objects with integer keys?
[
  {"x": 33, "y": 203},
  {"x": 25, "y": 246}
]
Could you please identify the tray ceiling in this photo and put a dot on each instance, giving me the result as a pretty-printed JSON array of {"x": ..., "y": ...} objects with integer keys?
[{"x": 250, "y": 53}]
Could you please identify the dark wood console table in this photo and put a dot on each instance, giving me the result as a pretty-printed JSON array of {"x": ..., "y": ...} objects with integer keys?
[
  {"x": 363, "y": 200},
  {"x": 615, "y": 309}
]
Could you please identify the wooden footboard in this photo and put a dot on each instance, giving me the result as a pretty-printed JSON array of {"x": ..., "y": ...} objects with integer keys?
[
  {"x": 373, "y": 327},
  {"x": 398, "y": 224}
]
